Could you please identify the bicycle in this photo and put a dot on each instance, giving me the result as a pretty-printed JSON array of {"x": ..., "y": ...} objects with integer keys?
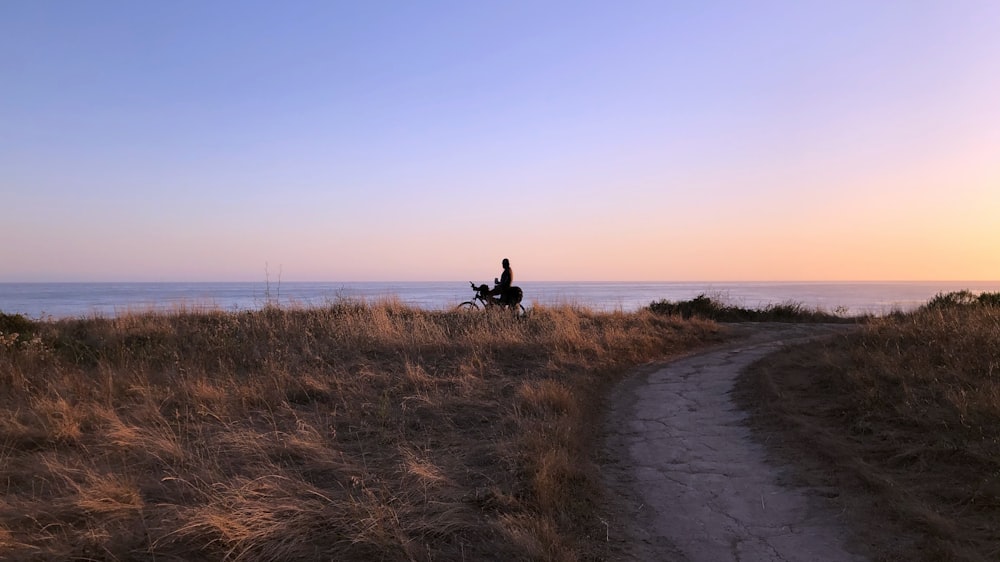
[{"x": 483, "y": 300}]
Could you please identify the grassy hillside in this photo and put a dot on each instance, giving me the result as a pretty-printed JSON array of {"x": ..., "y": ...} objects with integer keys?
[{"x": 351, "y": 432}]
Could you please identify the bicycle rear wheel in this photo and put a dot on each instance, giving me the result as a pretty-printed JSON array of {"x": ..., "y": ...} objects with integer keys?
[{"x": 467, "y": 306}]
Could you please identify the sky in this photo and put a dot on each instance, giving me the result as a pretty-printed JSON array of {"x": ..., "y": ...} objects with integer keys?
[{"x": 425, "y": 141}]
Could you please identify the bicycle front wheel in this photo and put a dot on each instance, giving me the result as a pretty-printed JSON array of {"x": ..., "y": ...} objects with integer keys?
[{"x": 467, "y": 306}]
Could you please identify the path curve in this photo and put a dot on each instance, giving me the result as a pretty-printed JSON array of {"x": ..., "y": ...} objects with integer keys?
[{"x": 692, "y": 484}]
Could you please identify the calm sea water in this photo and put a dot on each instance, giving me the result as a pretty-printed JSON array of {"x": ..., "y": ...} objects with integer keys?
[{"x": 62, "y": 300}]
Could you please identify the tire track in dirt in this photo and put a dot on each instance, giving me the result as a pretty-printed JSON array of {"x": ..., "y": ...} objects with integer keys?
[{"x": 689, "y": 480}]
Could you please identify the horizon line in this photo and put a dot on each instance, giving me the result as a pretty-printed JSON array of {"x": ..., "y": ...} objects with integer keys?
[{"x": 566, "y": 281}]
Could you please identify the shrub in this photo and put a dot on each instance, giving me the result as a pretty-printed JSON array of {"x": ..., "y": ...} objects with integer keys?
[
  {"x": 703, "y": 306},
  {"x": 964, "y": 297},
  {"x": 17, "y": 324}
]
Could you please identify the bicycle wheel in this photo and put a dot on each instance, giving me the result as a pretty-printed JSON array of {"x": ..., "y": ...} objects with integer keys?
[{"x": 467, "y": 306}]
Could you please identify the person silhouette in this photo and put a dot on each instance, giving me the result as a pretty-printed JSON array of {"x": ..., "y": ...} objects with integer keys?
[{"x": 503, "y": 283}]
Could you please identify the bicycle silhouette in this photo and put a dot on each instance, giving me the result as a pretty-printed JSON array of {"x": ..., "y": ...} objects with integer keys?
[{"x": 485, "y": 301}]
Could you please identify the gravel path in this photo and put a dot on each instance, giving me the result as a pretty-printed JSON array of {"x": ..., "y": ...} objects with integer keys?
[{"x": 689, "y": 480}]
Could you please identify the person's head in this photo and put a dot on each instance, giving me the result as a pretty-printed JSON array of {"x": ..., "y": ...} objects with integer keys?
[{"x": 506, "y": 263}]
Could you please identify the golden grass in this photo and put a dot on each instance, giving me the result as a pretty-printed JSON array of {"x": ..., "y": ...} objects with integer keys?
[
  {"x": 906, "y": 412},
  {"x": 352, "y": 432}
]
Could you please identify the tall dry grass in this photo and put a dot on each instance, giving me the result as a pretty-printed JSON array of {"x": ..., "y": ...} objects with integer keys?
[
  {"x": 351, "y": 432},
  {"x": 909, "y": 407}
]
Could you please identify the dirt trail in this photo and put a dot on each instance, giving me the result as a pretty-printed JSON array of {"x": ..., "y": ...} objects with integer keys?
[{"x": 689, "y": 480}]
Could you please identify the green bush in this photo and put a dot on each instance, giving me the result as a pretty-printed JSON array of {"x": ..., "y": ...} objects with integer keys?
[
  {"x": 17, "y": 324},
  {"x": 962, "y": 298},
  {"x": 704, "y": 306},
  {"x": 698, "y": 306}
]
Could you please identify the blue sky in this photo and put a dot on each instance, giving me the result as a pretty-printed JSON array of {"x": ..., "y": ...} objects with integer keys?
[{"x": 344, "y": 141}]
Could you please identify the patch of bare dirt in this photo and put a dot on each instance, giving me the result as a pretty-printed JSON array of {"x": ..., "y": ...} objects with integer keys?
[{"x": 689, "y": 481}]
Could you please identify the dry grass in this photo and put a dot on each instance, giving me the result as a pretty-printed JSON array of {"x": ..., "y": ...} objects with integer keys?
[
  {"x": 904, "y": 415},
  {"x": 351, "y": 432}
]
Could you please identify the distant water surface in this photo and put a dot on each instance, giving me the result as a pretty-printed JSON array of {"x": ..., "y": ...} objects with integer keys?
[{"x": 62, "y": 300}]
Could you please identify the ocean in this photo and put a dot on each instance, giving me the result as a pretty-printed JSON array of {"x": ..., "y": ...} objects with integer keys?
[{"x": 67, "y": 300}]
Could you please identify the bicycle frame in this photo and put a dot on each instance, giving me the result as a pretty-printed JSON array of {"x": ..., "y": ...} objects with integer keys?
[
  {"x": 483, "y": 295},
  {"x": 487, "y": 301}
]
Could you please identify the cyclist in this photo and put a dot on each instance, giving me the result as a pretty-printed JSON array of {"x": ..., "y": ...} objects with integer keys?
[{"x": 503, "y": 284}]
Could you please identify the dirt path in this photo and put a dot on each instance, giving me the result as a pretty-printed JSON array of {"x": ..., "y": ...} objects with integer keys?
[{"x": 689, "y": 480}]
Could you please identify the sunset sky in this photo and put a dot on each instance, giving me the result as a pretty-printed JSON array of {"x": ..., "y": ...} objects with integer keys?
[{"x": 425, "y": 141}]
